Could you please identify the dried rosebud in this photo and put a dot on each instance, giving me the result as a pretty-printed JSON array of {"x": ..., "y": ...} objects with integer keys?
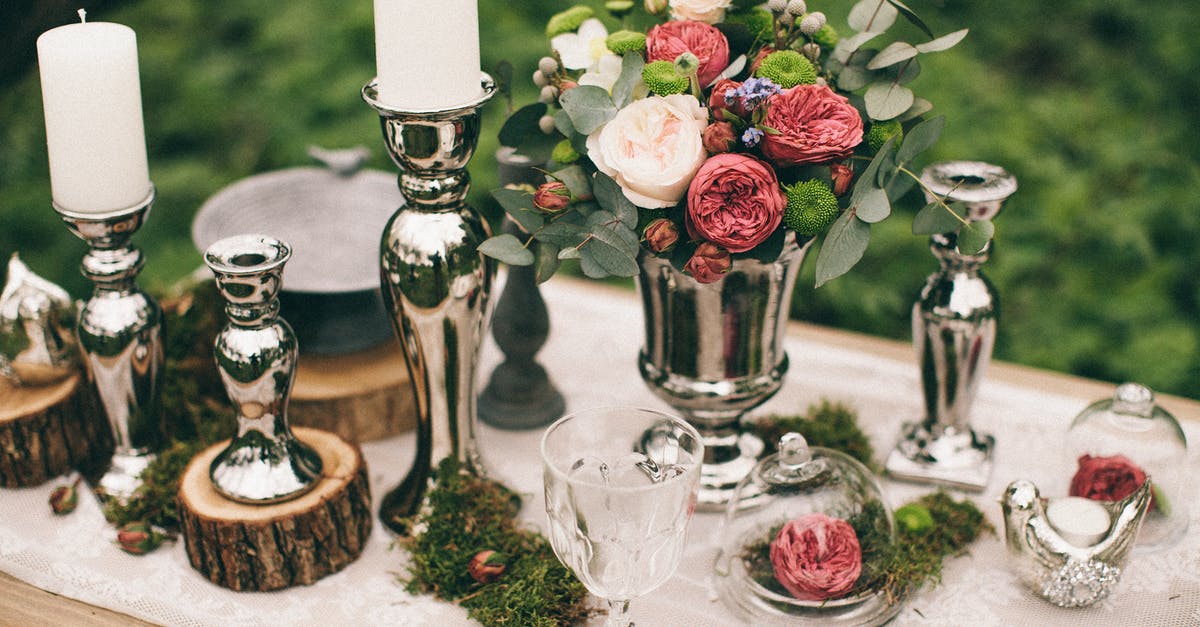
[
  {"x": 138, "y": 538},
  {"x": 842, "y": 175},
  {"x": 487, "y": 566},
  {"x": 660, "y": 235},
  {"x": 552, "y": 197},
  {"x": 719, "y": 137},
  {"x": 64, "y": 498},
  {"x": 709, "y": 263}
]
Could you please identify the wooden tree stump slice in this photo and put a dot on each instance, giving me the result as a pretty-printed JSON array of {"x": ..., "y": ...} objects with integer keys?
[
  {"x": 46, "y": 431},
  {"x": 269, "y": 547},
  {"x": 360, "y": 396}
]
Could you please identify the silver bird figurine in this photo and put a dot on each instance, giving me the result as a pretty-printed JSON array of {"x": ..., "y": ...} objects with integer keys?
[
  {"x": 1059, "y": 571},
  {"x": 37, "y": 329}
]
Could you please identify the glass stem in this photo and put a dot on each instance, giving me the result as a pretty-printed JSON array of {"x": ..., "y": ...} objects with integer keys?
[{"x": 618, "y": 614}]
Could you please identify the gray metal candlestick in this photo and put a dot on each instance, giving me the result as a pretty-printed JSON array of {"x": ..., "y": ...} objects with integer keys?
[
  {"x": 954, "y": 329},
  {"x": 436, "y": 284},
  {"x": 120, "y": 331}
]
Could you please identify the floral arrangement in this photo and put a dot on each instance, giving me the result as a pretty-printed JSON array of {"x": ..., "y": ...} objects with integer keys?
[{"x": 717, "y": 133}]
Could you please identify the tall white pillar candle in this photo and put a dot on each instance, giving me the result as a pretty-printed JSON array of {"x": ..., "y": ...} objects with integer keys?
[
  {"x": 93, "y": 106},
  {"x": 427, "y": 53}
]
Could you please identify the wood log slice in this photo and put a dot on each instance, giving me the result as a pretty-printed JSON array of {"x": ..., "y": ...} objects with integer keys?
[
  {"x": 360, "y": 396},
  {"x": 270, "y": 547},
  {"x": 45, "y": 431}
]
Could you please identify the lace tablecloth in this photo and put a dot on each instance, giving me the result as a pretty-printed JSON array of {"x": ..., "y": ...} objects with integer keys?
[{"x": 591, "y": 355}]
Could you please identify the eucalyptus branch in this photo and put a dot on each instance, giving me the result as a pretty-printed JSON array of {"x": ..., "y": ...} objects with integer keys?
[{"x": 940, "y": 200}]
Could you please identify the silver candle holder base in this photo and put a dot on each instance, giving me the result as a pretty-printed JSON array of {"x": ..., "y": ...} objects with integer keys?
[
  {"x": 436, "y": 284},
  {"x": 120, "y": 332}
]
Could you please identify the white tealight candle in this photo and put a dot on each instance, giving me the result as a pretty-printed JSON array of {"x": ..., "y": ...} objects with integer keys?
[
  {"x": 93, "y": 106},
  {"x": 1082, "y": 522},
  {"x": 427, "y": 53}
]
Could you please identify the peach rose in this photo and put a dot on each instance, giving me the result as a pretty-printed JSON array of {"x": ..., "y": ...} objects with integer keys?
[
  {"x": 652, "y": 148},
  {"x": 707, "y": 11}
]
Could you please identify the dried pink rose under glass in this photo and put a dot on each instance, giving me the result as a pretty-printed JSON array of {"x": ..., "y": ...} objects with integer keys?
[{"x": 816, "y": 557}]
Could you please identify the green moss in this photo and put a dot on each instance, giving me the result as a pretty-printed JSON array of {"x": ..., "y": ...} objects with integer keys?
[{"x": 828, "y": 424}]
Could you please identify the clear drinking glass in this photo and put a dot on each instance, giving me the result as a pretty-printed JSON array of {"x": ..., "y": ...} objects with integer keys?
[{"x": 620, "y": 490}]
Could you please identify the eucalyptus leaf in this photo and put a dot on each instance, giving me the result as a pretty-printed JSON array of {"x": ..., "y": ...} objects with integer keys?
[
  {"x": 562, "y": 234},
  {"x": 738, "y": 36},
  {"x": 733, "y": 69},
  {"x": 569, "y": 253},
  {"x": 853, "y": 78},
  {"x": 518, "y": 205},
  {"x": 920, "y": 107},
  {"x": 886, "y": 100},
  {"x": 908, "y": 72},
  {"x": 873, "y": 16},
  {"x": 545, "y": 261},
  {"x": 933, "y": 218},
  {"x": 873, "y": 206},
  {"x": 894, "y": 53},
  {"x": 631, "y": 75},
  {"x": 844, "y": 245},
  {"x": 974, "y": 236},
  {"x": 868, "y": 180},
  {"x": 609, "y": 195},
  {"x": 945, "y": 42},
  {"x": 920, "y": 138},
  {"x": 899, "y": 186},
  {"x": 911, "y": 16},
  {"x": 849, "y": 45},
  {"x": 605, "y": 226},
  {"x": 607, "y": 253},
  {"x": 589, "y": 106},
  {"x": 576, "y": 180},
  {"x": 537, "y": 146},
  {"x": 521, "y": 123},
  {"x": 507, "y": 248}
]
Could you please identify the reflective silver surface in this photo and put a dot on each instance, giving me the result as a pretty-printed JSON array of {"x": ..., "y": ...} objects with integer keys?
[
  {"x": 714, "y": 351},
  {"x": 1062, "y": 573},
  {"x": 120, "y": 332},
  {"x": 37, "y": 329},
  {"x": 436, "y": 284},
  {"x": 256, "y": 357},
  {"x": 954, "y": 330}
]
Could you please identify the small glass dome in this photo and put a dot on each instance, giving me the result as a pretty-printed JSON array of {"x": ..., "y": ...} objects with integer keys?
[
  {"x": 1117, "y": 443},
  {"x": 796, "y": 535}
]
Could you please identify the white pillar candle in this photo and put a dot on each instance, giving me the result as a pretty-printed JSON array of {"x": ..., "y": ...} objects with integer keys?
[
  {"x": 93, "y": 106},
  {"x": 1082, "y": 522},
  {"x": 427, "y": 53}
]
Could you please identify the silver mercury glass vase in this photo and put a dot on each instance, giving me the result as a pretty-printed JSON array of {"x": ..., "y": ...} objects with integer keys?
[
  {"x": 256, "y": 358},
  {"x": 120, "y": 332},
  {"x": 715, "y": 351},
  {"x": 954, "y": 330},
  {"x": 436, "y": 284}
]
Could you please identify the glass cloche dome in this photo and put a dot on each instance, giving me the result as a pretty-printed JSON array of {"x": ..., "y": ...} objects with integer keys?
[{"x": 796, "y": 535}]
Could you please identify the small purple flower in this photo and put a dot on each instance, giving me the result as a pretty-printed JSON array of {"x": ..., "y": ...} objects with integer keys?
[
  {"x": 753, "y": 93},
  {"x": 751, "y": 137}
]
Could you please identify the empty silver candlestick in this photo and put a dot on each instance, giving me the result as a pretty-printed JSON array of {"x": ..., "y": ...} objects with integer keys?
[
  {"x": 435, "y": 283},
  {"x": 120, "y": 332},
  {"x": 256, "y": 357},
  {"x": 954, "y": 330}
]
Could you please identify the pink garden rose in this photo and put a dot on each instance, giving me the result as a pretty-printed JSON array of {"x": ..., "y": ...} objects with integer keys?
[
  {"x": 717, "y": 103},
  {"x": 709, "y": 263},
  {"x": 667, "y": 41},
  {"x": 1107, "y": 478},
  {"x": 815, "y": 126},
  {"x": 652, "y": 148},
  {"x": 734, "y": 201},
  {"x": 816, "y": 557}
]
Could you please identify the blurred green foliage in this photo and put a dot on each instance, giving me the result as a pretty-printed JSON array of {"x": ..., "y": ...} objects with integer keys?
[{"x": 1090, "y": 103}]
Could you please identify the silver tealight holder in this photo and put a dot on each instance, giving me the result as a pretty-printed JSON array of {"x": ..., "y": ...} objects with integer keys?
[
  {"x": 436, "y": 284},
  {"x": 256, "y": 357},
  {"x": 120, "y": 332},
  {"x": 954, "y": 330}
]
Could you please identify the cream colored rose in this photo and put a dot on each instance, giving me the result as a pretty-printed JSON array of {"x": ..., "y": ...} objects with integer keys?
[
  {"x": 707, "y": 11},
  {"x": 652, "y": 148}
]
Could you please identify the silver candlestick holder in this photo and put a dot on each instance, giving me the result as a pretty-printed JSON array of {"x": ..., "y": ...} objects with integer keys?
[
  {"x": 120, "y": 332},
  {"x": 256, "y": 356},
  {"x": 436, "y": 284},
  {"x": 954, "y": 330}
]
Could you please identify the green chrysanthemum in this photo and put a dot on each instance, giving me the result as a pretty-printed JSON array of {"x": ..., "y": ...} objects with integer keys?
[
  {"x": 827, "y": 36},
  {"x": 880, "y": 132},
  {"x": 811, "y": 207},
  {"x": 758, "y": 21},
  {"x": 662, "y": 79},
  {"x": 568, "y": 21},
  {"x": 564, "y": 152},
  {"x": 624, "y": 41},
  {"x": 788, "y": 68}
]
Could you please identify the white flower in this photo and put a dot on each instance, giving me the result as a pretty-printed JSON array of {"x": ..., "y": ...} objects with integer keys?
[
  {"x": 652, "y": 148},
  {"x": 580, "y": 49},
  {"x": 603, "y": 73},
  {"x": 708, "y": 11}
]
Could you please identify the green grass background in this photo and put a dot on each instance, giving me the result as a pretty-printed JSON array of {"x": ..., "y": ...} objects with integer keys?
[{"x": 1090, "y": 103}]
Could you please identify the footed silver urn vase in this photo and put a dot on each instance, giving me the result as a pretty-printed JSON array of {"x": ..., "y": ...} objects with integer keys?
[
  {"x": 954, "y": 330},
  {"x": 715, "y": 351}
]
